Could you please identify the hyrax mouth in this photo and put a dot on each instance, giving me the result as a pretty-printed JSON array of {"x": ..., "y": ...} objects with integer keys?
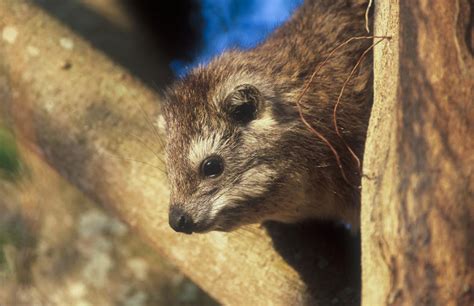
[{"x": 183, "y": 222}]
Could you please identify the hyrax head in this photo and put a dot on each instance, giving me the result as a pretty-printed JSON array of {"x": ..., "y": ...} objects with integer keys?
[{"x": 229, "y": 160}]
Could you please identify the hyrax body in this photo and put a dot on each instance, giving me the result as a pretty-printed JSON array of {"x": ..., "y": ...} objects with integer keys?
[{"x": 237, "y": 149}]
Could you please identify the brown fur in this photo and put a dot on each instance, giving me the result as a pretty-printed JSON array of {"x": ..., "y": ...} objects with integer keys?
[{"x": 275, "y": 169}]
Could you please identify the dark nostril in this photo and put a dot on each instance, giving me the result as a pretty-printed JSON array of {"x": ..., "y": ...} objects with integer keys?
[{"x": 180, "y": 221}]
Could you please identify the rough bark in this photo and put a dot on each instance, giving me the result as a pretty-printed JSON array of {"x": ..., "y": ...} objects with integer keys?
[
  {"x": 418, "y": 189},
  {"x": 78, "y": 111}
]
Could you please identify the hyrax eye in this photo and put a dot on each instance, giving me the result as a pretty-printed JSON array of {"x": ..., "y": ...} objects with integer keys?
[
  {"x": 212, "y": 167},
  {"x": 244, "y": 103}
]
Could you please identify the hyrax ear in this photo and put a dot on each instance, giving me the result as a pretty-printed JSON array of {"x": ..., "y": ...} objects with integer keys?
[{"x": 244, "y": 104}]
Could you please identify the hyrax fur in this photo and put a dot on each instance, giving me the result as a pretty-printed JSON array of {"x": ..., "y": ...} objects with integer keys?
[{"x": 237, "y": 149}]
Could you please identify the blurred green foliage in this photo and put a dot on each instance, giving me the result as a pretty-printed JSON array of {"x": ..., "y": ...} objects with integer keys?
[
  {"x": 9, "y": 159},
  {"x": 3, "y": 259},
  {"x": 9, "y": 170},
  {"x": 15, "y": 235},
  {"x": 6, "y": 240}
]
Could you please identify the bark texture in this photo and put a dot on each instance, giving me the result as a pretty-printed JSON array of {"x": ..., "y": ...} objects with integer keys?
[
  {"x": 418, "y": 188},
  {"x": 82, "y": 114}
]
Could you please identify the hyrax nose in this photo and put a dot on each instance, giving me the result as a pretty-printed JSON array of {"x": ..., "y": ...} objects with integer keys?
[{"x": 180, "y": 221}]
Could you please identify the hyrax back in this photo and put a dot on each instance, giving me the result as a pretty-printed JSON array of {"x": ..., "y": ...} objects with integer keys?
[{"x": 237, "y": 149}]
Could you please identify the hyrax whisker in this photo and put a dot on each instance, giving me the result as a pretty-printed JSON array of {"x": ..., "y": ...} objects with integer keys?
[
  {"x": 146, "y": 145},
  {"x": 133, "y": 160},
  {"x": 305, "y": 89},
  {"x": 148, "y": 121},
  {"x": 367, "y": 11},
  {"x": 359, "y": 61}
]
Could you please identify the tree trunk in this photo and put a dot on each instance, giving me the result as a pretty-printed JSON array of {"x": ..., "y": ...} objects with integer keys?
[{"x": 418, "y": 192}]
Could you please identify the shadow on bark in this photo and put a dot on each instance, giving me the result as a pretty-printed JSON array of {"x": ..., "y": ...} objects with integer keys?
[
  {"x": 145, "y": 48},
  {"x": 326, "y": 256}
]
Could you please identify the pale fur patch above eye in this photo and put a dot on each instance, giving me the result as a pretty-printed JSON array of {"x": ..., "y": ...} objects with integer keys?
[
  {"x": 264, "y": 123},
  {"x": 203, "y": 147}
]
